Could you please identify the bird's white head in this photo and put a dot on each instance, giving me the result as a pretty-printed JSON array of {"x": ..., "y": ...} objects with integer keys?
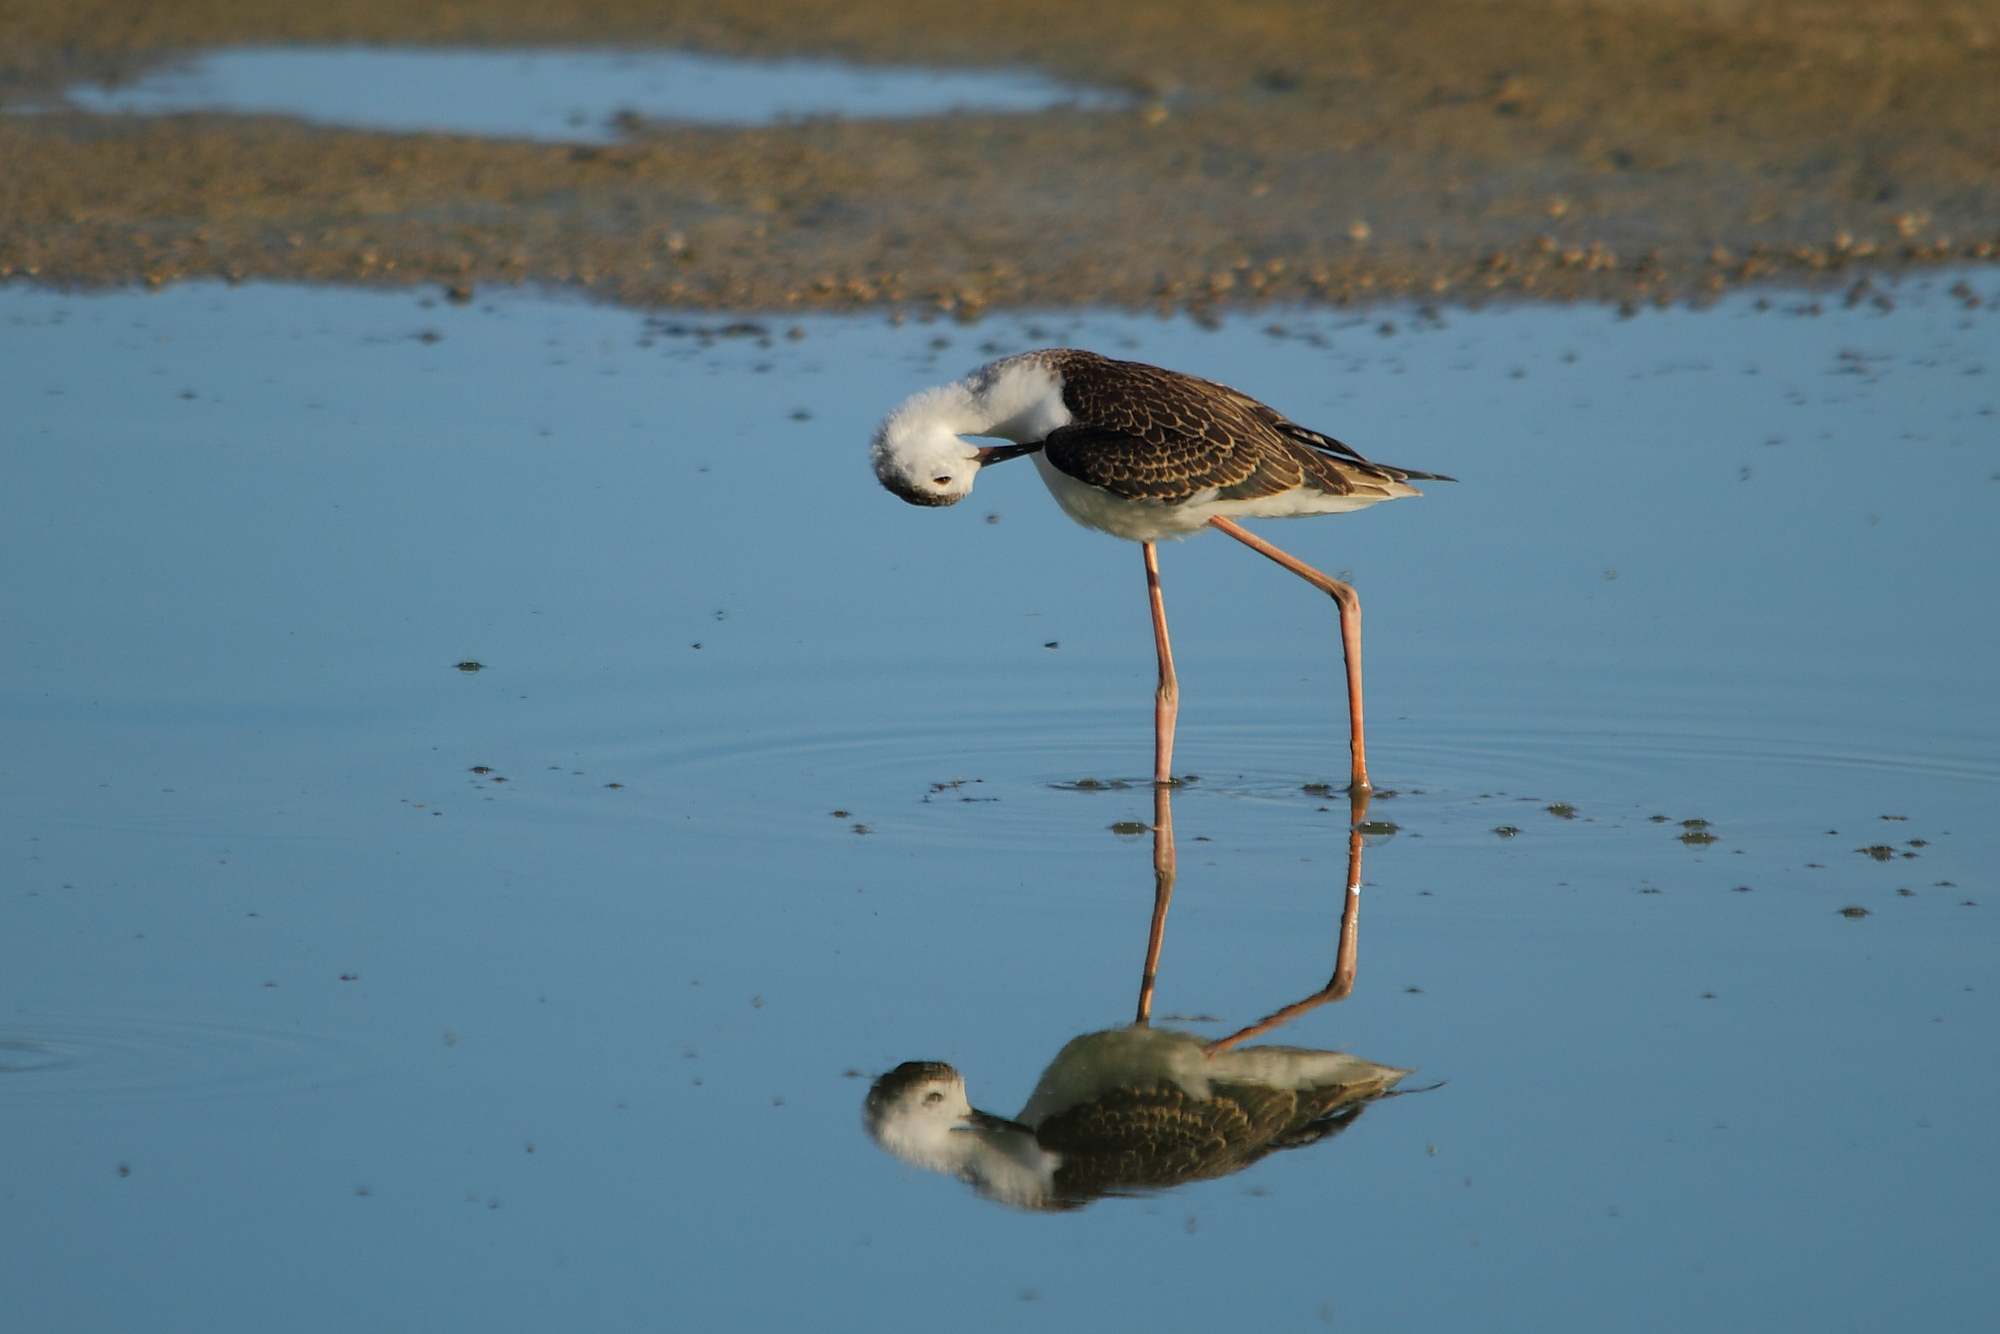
[{"x": 920, "y": 452}]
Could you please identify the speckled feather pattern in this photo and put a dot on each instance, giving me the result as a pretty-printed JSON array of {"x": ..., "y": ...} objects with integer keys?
[
  {"x": 1144, "y": 433},
  {"x": 1146, "y": 1139}
]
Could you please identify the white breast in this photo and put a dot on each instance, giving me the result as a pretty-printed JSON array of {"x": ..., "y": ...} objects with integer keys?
[
  {"x": 1157, "y": 521},
  {"x": 1134, "y": 520}
]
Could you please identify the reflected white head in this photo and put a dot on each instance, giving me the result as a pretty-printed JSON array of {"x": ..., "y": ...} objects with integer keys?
[
  {"x": 913, "y": 1111},
  {"x": 919, "y": 452},
  {"x": 919, "y": 1113}
]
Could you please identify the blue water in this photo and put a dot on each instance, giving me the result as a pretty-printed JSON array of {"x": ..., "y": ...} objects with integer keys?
[
  {"x": 306, "y": 1024},
  {"x": 564, "y": 96}
]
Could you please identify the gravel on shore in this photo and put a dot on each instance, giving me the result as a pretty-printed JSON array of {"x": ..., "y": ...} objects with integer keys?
[{"x": 1266, "y": 150}]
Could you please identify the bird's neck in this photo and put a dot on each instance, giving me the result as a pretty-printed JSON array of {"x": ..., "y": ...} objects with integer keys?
[{"x": 1018, "y": 399}]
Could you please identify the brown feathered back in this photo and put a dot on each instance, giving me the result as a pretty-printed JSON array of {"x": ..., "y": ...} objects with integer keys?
[{"x": 1142, "y": 432}]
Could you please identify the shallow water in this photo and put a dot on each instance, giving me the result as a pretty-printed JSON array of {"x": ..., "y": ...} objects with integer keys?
[
  {"x": 577, "y": 96},
  {"x": 309, "y": 1020}
]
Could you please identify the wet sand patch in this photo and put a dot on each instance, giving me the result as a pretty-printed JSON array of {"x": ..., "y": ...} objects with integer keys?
[{"x": 1644, "y": 152}]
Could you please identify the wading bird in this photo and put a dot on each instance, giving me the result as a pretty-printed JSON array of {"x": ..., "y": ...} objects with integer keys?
[{"x": 1144, "y": 454}]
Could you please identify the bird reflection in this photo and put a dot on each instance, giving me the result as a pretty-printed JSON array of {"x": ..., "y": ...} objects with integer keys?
[{"x": 1139, "y": 1109}]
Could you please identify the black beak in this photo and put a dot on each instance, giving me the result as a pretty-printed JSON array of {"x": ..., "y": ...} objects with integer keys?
[
  {"x": 1001, "y": 453},
  {"x": 987, "y": 1121}
]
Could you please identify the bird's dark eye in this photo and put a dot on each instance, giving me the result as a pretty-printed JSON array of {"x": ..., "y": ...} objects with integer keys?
[
  {"x": 942, "y": 481},
  {"x": 933, "y": 1097}
]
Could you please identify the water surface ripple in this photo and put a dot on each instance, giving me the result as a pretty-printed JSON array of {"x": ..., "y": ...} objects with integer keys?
[{"x": 486, "y": 791}]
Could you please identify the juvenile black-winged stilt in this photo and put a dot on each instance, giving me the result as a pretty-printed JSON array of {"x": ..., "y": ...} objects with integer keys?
[{"x": 1144, "y": 454}]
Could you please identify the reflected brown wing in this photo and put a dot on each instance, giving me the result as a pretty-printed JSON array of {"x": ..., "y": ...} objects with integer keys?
[
  {"x": 1147, "y": 1139},
  {"x": 1158, "y": 1137}
]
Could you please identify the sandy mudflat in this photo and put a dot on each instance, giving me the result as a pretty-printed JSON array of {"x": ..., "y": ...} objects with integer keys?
[{"x": 1642, "y": 151}]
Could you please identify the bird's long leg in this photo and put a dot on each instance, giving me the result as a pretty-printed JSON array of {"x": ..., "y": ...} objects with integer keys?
[
  {"x": 1163, "y": 893},
  {"x": 1350, "y": 637},
  {"x": 1341, "y": 984},
  {"x": 1167, "y": 700}
]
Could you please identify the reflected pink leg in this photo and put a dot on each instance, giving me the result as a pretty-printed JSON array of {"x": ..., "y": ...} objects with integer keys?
[
  {"x": 1163, "y": 893},
  {"x": 1341, "y": 984}
]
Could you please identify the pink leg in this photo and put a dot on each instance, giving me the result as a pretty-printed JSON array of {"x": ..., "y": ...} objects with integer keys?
[
  {"x": 1167, "y": 700},
  {"x": 1350, "y": 636}
]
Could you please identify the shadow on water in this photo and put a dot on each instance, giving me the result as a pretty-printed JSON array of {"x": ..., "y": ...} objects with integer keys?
[{"x": 1134, "y": 1110}]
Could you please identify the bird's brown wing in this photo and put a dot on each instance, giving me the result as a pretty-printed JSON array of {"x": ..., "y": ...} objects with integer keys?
[
  {"x": 1146, "y": 433},
  {"x": 1340, "y": 455},
  {"x": 1170, "y": 467}
]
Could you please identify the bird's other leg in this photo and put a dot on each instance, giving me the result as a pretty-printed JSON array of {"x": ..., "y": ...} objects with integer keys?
[
  {"x": 1167, "y": 700},
  {"x": 1345, "y": 956},
  {"x": 1163, "y": 893},
  {"x": 1350, "y": 638}
]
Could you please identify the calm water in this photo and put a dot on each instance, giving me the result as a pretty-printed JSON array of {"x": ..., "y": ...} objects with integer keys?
[
  {"x": 564, "y": 96},
  {"x": 310, "y": 1021}
]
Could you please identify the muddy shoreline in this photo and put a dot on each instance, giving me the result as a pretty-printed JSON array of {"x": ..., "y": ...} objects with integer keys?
[{"x": 1649, "y": 151}]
